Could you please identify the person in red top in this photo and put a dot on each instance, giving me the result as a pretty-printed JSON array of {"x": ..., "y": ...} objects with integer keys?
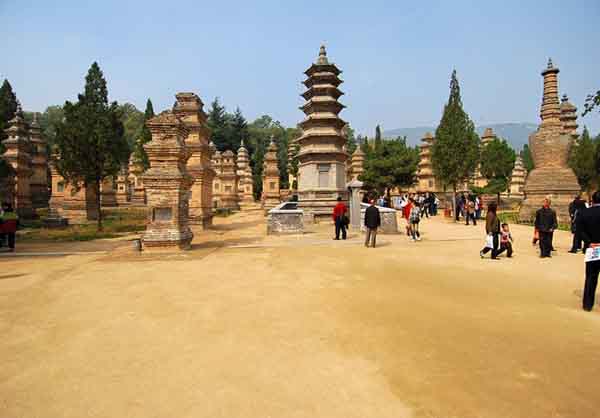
[
  {"x": 339, "y": 217},
  {"x": 8, "y": 225},
  {"x": 406, "y": 215}
]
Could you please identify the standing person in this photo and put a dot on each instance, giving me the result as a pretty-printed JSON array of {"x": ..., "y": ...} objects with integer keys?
[
  {"x": 575, "y": 208},
  {"x": 545, "y": 223},
  {"x": 372, "y": 222},
  {"x": 457, "y": 204},
  {"x": 477, "y": 208},
  {"x": 436, "y": 204},
  {"x": 8, "y": 226},
  {"x": 506, "y": 241},
  {"x": 339, "y": 215},
  {"x": 406, "y": 209},
  {"x": 492, "y": 229},
  {"x": 588, "y": 224},
  {"x": 415, "y": 218},
  {"x": 470, "y": 212}
]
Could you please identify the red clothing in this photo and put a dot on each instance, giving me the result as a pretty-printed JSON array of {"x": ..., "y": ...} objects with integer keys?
[
  {"x": 339, "y": 210},
  {"x": 406, "y": 210}
]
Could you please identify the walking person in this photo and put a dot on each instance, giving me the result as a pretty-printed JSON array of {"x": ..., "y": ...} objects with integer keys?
[
  {"x": 492, "y": 229},
  {"x": 339, "y": 218},
  {"x": 415, "y": 218},
  {"x": 575, "y": 208},
  {"x": 545, "y": 223},
  {"x": 506, "y": 241},
  {"x": 372, "y": 222},
  {"x": 470, "y": 212},
  {"x": 588, "y": 225},
  {"x": 8, "y": 224}
]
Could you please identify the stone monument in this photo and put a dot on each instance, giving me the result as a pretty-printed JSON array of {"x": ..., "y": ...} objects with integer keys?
[
  {"x": 188, "y": 108},
  {"x": 426, "y": 179},
  {"x": 167, "y": 185},
  {"x": 550, "y": 146},
  {"x": 517, "y": 179},
  {"x": 18, "y": 155},
  {"x": 123, "y": 187},
  {"x": 270, "y": 192},
  {"x": 245, "y": 180},
  {"x": 40, "y": 193},
  {"x": 138, "y": 192},
  {"x": 228, "y": 180},
  {"x": 321, "y": 158}
]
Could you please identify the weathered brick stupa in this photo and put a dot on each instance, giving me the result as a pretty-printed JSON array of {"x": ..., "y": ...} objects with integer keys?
[
  {"x": 189, "y": 109},
  {"x": 18, "y": 156},
  {"x": 167, "y": 185},
  {"x": 322, "y": 159},
  {"x": 517, "y": 179},
  {"x": 550, "y": 150},
  {"x": 426, "y": 179},
  {"x": 244, "y": 175},
  {"x": 40, "y": 193},
  {"x": 270, "y": 192},
  {"x": 228, "y": 180}
]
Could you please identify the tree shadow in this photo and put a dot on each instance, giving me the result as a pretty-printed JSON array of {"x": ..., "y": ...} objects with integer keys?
[{"x": 11, "y": 276}]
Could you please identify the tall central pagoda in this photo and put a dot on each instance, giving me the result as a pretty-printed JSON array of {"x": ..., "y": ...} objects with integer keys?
[{"x": 322, "y": 158}]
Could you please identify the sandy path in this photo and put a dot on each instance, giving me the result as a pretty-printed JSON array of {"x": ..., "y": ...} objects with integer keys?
[{"x": 253, "y": 326}]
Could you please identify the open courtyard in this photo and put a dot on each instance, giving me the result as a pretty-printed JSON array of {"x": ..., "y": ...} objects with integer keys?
[{"x": 250, "y": 325}]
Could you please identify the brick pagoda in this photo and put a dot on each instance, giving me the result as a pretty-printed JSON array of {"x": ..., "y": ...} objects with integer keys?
[
  {"x": 322, "y": 158},
  {"x": 244, "y": 174},
  {"x": 270, "y": 192},
  {"x": 40, "y": 193}
]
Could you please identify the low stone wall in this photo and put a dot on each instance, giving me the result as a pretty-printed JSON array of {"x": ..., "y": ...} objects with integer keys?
[
  {"x": 285, "y": 218},
  {"x": 389, "y": 221}
]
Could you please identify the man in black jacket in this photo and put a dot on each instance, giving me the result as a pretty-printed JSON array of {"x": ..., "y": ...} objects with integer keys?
[
  {"x": 575, "y": 209},
  {"x": 546, "y": 222},
  {"x": 588, "y": 225},
  {"x": 372, "y": 222}
]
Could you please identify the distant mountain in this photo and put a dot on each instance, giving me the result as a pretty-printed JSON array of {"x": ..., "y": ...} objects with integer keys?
[{"x": 517, "y": 134}]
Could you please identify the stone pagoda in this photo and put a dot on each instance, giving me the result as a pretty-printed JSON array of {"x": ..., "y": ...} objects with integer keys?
[
  {"x": 40, "y": 193},
  {"x": 108, "y": 193},
  {"x": 123, "y": 188},
  {"x": 137, "y": 190},
  {"x": 517, "y": 179},
  {"x": 188, "y": 108},
  {"x": 321, "y": 158},
  {"x": 550, "y": 146},
  {"x": 245, "y": 180},
  {"x": 270, "y": 179},
  {"x": 426, "y": 179},
  {"x": 167, "y": 184},
  {"x": 228, "y": 180},
  {"x": 568, "y": 118},
  {"x": 18, "y": 155},
  {"x": 357, "y": 164}
]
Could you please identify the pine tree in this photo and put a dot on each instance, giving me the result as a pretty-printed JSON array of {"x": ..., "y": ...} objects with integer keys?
[
  {"x": 8, "y": 109},
  {"x": 455, "y": 151},
  {"x": 90, "y": 140},
  {"x": 378, "y": 139},
  {"x": 527, "y": 158},
  {"x": 144, "y": 136},
  {"x": 217, "y": 122},
  {"x": 351, "y": 141},
  {"x": 497, "y": 163},
  {"x": 238, "y": 130},
  {"x": 582, "y": 159}
]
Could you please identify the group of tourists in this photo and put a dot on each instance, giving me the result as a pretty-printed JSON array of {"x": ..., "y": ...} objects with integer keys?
[
  {"x": 499, "y": 238},
  {"x": 468, "y": 207},
  {"x": 372, "y": 222}
]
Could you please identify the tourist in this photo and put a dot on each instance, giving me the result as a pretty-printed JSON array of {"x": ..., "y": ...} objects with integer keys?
[
  {"x": 8, "y": 224},
  {"x": 470, "y": 212},
  {"x": 545, "y": 223},
  {"x": 436, "y": 204},
  {"x": 477, "y": 208},
  {"x": 406, "y": 209},
  {"x": 458, "y": 207},
  {"x": 424, "y": 205},
  {"x": 588, "y": 225},
  {"x": 415, "y": 218},
  {"x": 372, "y": 222},
  {"x": 340, "y": 219},
  {"x": 575, "y": 208},
  {"x": 506, "y": 241},
  {"x": 492, "y": 229}
]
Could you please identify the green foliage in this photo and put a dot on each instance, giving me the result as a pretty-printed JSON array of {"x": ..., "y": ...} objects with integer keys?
[
  {"x": 591, "y": 102},
  {"x": 351, "y": 144},
  {"x": 378, "y": 138},
  {"x": 143, "y": 136},
  {"x": 133, "y": 120},
  {"x": 8, "y": 109},
  {"x": 238, "y": 129},
  {"x": 90, "y": 141},
  {"x": 497, "y": 163},
  {"x": 527, "y": 158},
  {"x": 393, "y": 164},
  {"x": 455, "y": 151},
  {"x": 217, "y": 122},
  {"x": 583, "y": 160}
]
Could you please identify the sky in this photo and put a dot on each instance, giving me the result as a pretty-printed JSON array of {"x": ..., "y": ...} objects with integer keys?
[{"x": 396, "y": 56}]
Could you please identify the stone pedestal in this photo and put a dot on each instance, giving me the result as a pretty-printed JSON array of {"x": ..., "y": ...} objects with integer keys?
[
  {"x": 285, "y": 218},
  {"x": 389, "y": 219},
  {"x": 167, "y": 185}
]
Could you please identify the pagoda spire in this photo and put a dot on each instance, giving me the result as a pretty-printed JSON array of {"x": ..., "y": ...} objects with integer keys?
[{"x": 550, "y": 110}]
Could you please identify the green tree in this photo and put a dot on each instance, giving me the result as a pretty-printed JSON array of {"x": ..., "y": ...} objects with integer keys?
[
  {"x": 583, "y": 161},
  {"x": 238, "y": 130},
  {"x": 393, "y": 164},
  {"x": 8, "y": 109},
  {"x": 497, "y": 163},
  {"x": 217, "y": 122},
  {"x": 351, "y": 141},
  {"x": 592, "y": 101},
  {"x": 133, "y": 122},
  {"x": 90, "y": 141},
  {"x": 378, "y": 138},
  {"x": 143, "y": 136},
  {"x": 527, "y": 158},
  {"x": 455, "y": 151}
]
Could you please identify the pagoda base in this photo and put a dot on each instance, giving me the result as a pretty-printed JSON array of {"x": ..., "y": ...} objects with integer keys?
[
  {"x": 203, "y": 218},
  {"x": 318, "y": 204},
  {"x": 560, "y": 184},
  {"x": 166, "y": 239}
]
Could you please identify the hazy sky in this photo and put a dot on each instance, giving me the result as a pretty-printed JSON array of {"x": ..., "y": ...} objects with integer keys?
[{"x": 397, "y": 56}]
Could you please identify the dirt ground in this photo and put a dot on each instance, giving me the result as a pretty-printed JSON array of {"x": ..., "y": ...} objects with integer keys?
[{"x": 245, "y": 325}]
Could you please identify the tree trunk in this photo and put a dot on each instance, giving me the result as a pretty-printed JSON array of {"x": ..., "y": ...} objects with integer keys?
[
  {"x": 498, "y": 199},
  {"x": 98, "y": 206}
]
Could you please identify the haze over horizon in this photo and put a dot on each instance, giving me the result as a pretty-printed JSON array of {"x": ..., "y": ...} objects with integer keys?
[{"x": 396, "y": 58}]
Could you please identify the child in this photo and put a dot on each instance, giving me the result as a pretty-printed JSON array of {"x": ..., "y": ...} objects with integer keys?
[
  {"x": 414, "y": 218},
  {"x": 506, "y": 241}
]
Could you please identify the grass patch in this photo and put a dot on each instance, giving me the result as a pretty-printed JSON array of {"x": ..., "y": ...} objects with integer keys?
[
  {"x": 116, "y": 222},
  {"x": 512, "y": 217}
]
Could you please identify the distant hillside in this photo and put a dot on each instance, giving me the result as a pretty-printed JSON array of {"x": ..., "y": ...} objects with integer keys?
[{"x": 517, "y": 134}]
